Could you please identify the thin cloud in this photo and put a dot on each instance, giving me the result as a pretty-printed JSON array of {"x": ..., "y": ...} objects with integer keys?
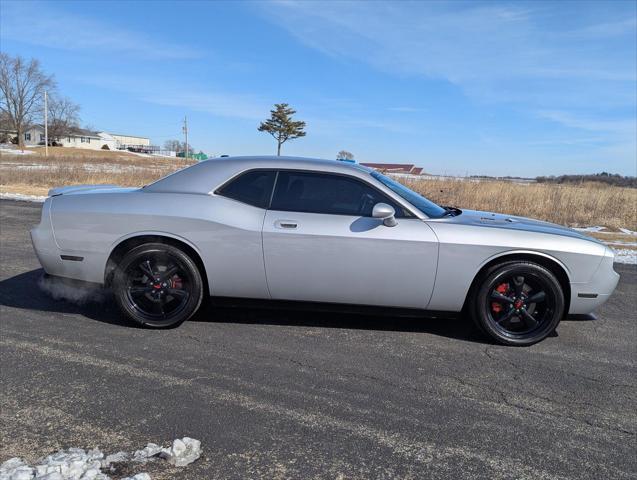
[
  {"x": 479, "y": 47},
  {"x": 571, "y": 120},
  {"x": 569, "y": 63},
  {"x": 56, "y": 28},
  {"x": 167, "y": 92}
]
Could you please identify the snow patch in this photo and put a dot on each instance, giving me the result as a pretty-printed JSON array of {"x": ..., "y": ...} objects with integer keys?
[
  {"x": 80, "y": 464},
  {"x": 22, "y": 197},
  {"x": 596, "y": 228},
  {"x": 14, "y": 151},
  {"x": 625, "y": 255},
  {"x": 627, "y": 232}
]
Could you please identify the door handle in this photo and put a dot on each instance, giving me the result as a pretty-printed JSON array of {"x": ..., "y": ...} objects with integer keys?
[{"x": 287, "y": 224}]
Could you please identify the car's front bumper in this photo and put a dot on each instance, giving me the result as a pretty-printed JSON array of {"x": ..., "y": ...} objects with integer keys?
[{"x": 586, "y": 297}]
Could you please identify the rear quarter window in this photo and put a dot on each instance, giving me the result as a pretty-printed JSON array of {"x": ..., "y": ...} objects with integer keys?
[{"x": 253, "y": 188}]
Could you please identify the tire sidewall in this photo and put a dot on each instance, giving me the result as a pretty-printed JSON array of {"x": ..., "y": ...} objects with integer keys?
[
  {"x": 480, "y": 304},
  {"x": 120, "y": 281}
]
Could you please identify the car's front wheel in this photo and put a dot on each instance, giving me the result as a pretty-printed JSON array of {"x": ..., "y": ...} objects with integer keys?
[
  {"x": 517, "y": 303},
  {"x": 157, "y": 285}
]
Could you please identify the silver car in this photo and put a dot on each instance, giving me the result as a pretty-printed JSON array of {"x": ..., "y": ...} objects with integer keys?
[{"x": 295, "y": 229}]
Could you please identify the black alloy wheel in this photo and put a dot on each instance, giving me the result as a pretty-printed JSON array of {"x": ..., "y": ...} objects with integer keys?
[
  {"x": 518, "y": 303},
  {"x": 158, "y": 285}
]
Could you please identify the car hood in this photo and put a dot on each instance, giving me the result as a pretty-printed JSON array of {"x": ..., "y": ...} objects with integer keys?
[
  {"x": 512, "y": 222},
  {"x": 83, "y": 189}
]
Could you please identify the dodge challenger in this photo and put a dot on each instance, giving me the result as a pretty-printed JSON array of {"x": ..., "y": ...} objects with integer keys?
[{"x": 309, "y": 230}]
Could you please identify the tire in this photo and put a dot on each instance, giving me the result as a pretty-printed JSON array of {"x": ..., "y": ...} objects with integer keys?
[
  {"x": 157, "y": 285},
  {"x": 517, "y": 303}
]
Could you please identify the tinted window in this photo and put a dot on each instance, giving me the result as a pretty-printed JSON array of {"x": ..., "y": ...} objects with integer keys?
[
  {"x": 426, "y": 206},
  {"x": 253, "y": 188},
  {"x": 326, "y": 193}
]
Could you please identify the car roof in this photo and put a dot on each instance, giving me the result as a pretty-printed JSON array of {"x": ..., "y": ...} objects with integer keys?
[
  {"x": 207, "y": 175},
  {"x": 275, "y": 161}
]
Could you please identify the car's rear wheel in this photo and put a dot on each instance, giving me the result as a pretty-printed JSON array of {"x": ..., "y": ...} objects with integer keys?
[
  {"x": 157, "y": 285},
  {"x": 517, "y": 303}
]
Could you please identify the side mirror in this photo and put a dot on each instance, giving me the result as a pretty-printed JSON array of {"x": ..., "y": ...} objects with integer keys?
[{"x": 386, "y": 213}]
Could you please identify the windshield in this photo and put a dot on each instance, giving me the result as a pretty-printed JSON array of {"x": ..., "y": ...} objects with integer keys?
[{"x": 427, "y": 207}]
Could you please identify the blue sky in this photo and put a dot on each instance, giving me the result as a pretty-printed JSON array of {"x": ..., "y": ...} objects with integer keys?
[{"x": 498, "y": 88}]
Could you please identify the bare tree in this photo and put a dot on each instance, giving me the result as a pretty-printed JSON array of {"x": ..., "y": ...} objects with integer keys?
[
  {"x": 172, "y": 145},
  {"x": 281, "y": 126},
  {"x": 344, "y": 155},
  {"x": 6, "y": 128},
  {"x": 177, "y": 146},
  {"x": 22, "y": 85},
  {"x": 63, "y": 117}
]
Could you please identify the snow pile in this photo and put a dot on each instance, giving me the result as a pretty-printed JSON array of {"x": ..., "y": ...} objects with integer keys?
[
  {"x": 80, "y": 464},
  {"x": 74, "y": 463},
  {"x": 183, "y": 452}
]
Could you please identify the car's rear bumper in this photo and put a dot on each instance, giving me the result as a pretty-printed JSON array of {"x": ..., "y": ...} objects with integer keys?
[
  {"x": 85, "y": 266},
  {"x": 586, "y": 297}
]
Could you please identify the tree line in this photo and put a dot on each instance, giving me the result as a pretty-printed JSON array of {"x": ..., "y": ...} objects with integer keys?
[
  {"x": 608, "y": 178},
  {"x": 22, "y": 87}
]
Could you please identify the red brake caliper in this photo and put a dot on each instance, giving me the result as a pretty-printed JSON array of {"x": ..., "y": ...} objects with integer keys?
[
  {"x": 503, "y": 288},
  {"x": 176, "y": 282}
]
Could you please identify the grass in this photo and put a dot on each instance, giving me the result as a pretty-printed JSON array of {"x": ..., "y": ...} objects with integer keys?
[
  {"x": 66, "y": 166},
  {"x": 567, "y": 204},
  {"x": 583, "y": 204}
]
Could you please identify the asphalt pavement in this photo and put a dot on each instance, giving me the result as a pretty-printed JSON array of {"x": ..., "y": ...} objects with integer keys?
[{"x": 296, "y": 394}]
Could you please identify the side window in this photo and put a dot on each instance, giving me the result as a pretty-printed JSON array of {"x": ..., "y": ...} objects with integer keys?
[
  {"x": 327, "y": 193},
  {"x": 253, "y": 188}
]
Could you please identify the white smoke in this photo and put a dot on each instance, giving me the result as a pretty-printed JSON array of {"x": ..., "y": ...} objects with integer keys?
[{"x": 79, "y": 293}]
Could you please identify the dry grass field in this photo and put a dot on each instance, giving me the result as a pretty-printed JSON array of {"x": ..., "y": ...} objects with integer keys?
[
  {"x": 35, "y": 174},
  {"x": 584, "y": 204},
  {"x": 573, "y": 205}
]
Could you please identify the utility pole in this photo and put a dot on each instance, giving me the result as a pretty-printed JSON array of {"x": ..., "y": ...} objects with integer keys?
[
  {"x": 185, "y": 130},
  {"x": 46, "y": 124}
]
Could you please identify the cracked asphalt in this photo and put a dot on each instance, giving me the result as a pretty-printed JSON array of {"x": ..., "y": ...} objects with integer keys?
[{"x": 293, "y": 394}]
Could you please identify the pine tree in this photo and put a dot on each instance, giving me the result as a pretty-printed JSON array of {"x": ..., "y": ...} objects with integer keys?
[{"x": 281, "y": 125}]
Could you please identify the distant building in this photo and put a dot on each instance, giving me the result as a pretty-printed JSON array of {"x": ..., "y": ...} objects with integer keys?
[
  {"x": 82, "y": 138},
  {"x": 134, "y": 143},
  {"x": 130, "y": 140},
  {"x": 399, "y": 168},
  {"x": 76, "y": 137}
]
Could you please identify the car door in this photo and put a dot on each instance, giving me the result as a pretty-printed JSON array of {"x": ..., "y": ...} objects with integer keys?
[
  {"x": 234, "y": 250},
  {"x": 321, "y": 244}
]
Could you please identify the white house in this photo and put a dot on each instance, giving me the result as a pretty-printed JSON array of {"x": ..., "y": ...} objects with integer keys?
[
  {"x": 79, "y": 138},
  {"x": 82, "y": 138}
]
